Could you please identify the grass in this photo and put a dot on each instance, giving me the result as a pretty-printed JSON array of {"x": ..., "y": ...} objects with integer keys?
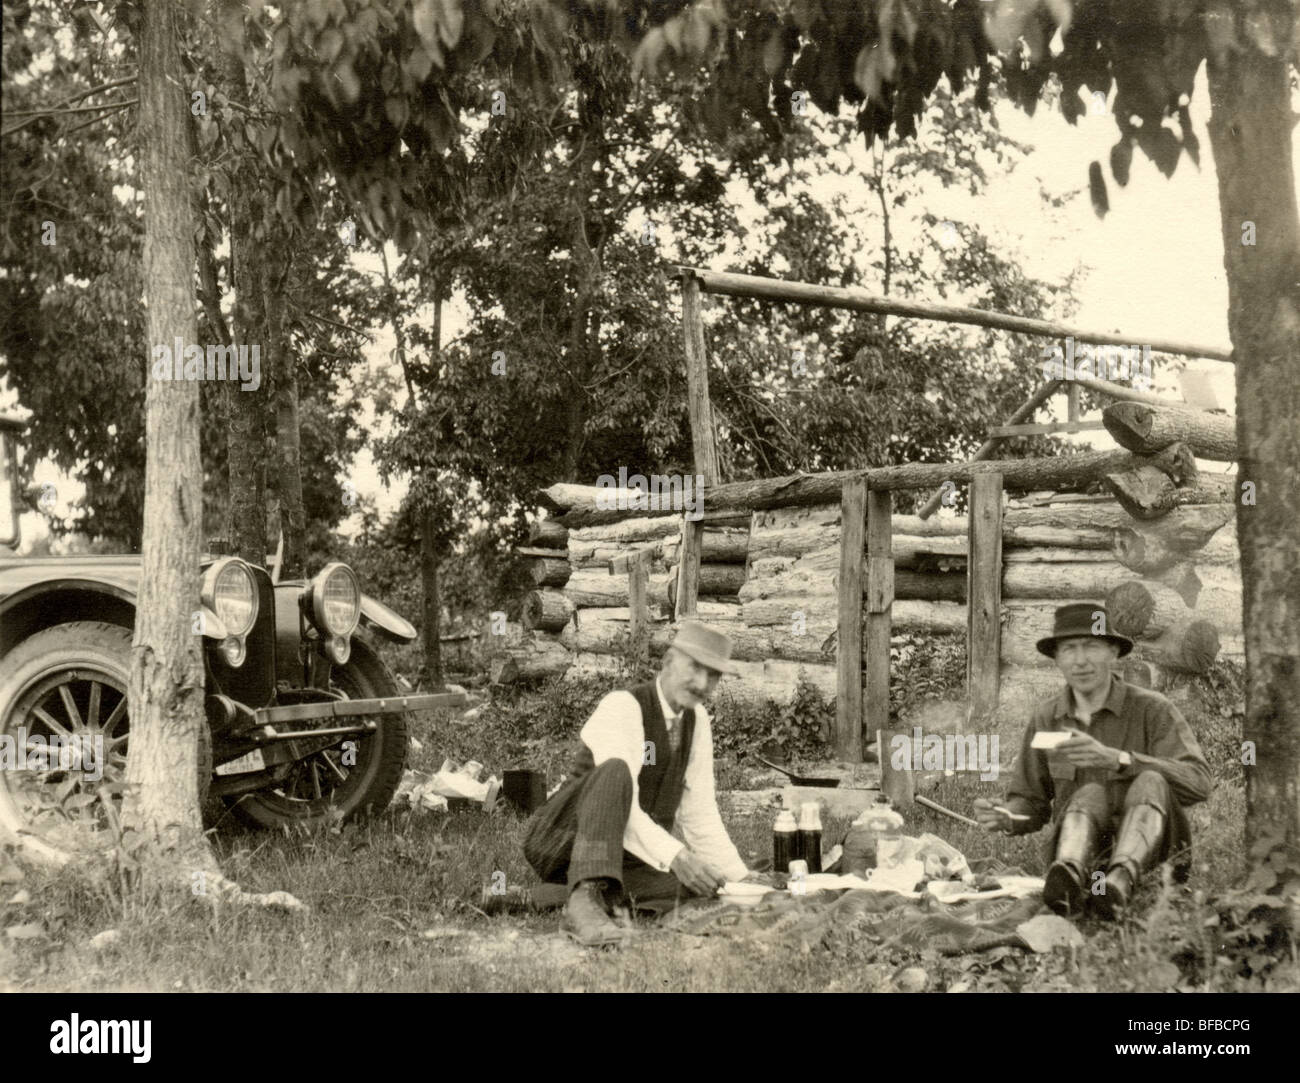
[{"x": 403, "y": 902}]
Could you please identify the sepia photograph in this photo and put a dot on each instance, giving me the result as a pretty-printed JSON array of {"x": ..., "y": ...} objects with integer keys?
[{"x": 696, "y": 496}]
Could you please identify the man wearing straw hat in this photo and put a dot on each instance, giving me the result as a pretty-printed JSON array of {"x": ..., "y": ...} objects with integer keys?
[
  {"x": 1130, "y": 762},
  {"x": 646, "y": 763}
]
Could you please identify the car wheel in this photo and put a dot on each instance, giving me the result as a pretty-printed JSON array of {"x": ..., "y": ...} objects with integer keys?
[
  {"x": 325, "y": 781},
  {"x": 65, "y": 687}
]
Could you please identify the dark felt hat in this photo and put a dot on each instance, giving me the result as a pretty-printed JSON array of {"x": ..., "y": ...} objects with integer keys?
[{"x": 1082, "y": 619}]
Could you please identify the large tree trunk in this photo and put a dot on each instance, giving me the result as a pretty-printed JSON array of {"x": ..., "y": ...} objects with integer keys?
[
  {"x": 246, "y": 411},
  {"x": 166, "y": 687},
  {"x": 1250, "y": 131}
]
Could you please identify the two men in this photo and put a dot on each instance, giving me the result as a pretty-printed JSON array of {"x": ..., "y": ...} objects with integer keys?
[
  {"x": 646, "y": 763},
  {"x": 1125, "y": 775}
]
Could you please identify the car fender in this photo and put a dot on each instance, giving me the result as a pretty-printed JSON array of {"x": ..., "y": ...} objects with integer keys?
[{"x": 387, "y": 622}]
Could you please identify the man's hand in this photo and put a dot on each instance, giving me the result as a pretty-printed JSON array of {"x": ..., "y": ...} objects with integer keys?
[
  {"x": 696, "y": 873},
  {"x": 767, "y": 879},
  {"x": 990, "y": 818},
  {"x": 1084, "y": 751}
]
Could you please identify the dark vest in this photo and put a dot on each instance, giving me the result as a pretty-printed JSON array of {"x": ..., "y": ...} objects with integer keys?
[{"x": 659, "y": 784}]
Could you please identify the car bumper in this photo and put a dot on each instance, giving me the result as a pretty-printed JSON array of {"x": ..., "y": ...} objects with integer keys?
[{"x": 353, "y": 708}]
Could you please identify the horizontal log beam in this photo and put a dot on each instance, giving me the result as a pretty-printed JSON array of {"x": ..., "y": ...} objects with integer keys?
[
  {"x": 803, "y": 293},
  {"x": 804, "y": 490}
]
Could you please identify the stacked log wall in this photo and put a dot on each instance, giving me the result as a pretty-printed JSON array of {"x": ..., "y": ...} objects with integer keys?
[{"x": 768, "y": 579}]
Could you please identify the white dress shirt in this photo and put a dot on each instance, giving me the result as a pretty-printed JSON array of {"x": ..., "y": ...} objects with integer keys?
[{"x": 615, "y": 730}]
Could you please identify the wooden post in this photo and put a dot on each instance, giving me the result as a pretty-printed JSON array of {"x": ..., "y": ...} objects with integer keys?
[
  {"x": 896, "y": 785},
  {"x": 702, "y": 441},
  {"x": 688, "y": 569},
  {"x": 848, "y": 662},
  {"x": 697, "y": 383},
  {"x": 637, "y": 566},
  {"x": 984, "y": 597},
  {"x": 1072, "y": 403}
]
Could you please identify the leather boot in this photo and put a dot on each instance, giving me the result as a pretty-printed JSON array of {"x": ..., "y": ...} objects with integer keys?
[
  {"x": 1137, "y": 844},
  {"x": 586, "y": 917},
  {"x": 1076, "y": 848}
]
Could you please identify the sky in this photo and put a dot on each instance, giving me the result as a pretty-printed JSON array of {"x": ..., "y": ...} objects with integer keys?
[{"x": 1155, "y": 261}]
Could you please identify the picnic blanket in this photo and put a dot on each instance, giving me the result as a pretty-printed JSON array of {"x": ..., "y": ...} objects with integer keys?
[{"x": 889, "y": 918}]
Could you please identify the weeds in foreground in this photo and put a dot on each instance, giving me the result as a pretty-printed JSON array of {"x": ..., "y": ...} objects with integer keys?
[{"x": 405, "y": 901}]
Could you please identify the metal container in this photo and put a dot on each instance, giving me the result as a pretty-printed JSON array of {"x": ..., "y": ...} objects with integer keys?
[{"x": 525, "y": 789}]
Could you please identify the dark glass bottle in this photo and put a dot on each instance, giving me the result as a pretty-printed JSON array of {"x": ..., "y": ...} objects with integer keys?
[
  {"x": 810, "y": 835},
  {"x": 785, "y": 843}
]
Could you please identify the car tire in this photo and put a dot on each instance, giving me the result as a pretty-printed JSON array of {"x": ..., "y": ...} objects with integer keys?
[
  {"x": 84, "y": 653},
  {"x": 381, "y": 757}
]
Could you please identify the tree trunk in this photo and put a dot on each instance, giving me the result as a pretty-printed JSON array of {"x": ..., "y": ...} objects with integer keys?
[
  {"x": 1145, "y": 430},
  {"x": 166, "y": 686},
  {"x": 432, "y": 600},
  {"x": 288, "y": 443},
  {"x": 1250, "y": 128},
  {"x": 247, "y": 423}
]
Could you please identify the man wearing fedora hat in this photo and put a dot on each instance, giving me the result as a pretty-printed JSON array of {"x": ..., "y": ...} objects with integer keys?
[
  {"x": 1131, "y": 760},
  {"x": 645, "y": 765}
]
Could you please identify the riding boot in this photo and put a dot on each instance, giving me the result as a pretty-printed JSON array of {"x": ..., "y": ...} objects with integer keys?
[
  {"x": 1137, "y": 844},
  {"x": 1076, "y": 849}
]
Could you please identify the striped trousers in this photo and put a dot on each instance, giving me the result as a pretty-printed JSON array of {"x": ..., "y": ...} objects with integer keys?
[{"x": 578, "y": 835}]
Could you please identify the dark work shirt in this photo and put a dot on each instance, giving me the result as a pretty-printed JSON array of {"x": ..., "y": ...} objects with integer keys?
[{"x": 1133, "y": 719}]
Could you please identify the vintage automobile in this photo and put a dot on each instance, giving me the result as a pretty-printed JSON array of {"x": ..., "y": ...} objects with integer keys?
[{"x": 302, "y": 715}]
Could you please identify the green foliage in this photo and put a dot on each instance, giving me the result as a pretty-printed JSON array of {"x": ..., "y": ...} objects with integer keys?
[
  {"x": 71, "y": 321},
  {"x": 530, "y": 728},
  {"x": 800, "y": 729},
  {"x": 925, "y": 668},
  {"x": 1215, "y": 708},
  {"x": 885, "y": 59}
]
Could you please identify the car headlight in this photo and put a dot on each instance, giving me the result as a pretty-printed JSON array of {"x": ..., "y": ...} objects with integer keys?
[
  {"x": 230, "y": 592},
  {"x": 336, "y": 600},
  {"x": 233, "y": 651}
]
